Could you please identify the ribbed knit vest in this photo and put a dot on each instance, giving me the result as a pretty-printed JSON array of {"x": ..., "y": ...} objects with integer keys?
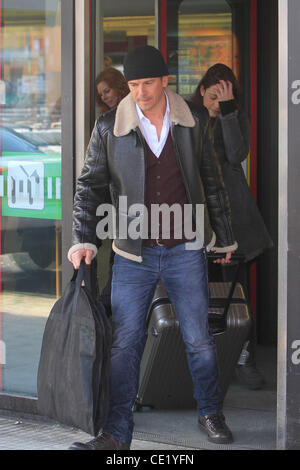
[{"x": 164, "y": 185}]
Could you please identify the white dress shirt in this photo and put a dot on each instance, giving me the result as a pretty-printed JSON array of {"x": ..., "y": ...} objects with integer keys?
[{"x": 150, "y": 133}]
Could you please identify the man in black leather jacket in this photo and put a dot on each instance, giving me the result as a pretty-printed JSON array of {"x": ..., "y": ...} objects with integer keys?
[{"x": 152, "y": 150}]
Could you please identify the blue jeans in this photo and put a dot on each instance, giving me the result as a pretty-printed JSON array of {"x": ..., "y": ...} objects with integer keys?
[{"x": 184, "y": 275}]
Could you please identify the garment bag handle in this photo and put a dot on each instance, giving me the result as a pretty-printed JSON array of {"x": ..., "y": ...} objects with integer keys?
[{"x": 81, "y": 277}]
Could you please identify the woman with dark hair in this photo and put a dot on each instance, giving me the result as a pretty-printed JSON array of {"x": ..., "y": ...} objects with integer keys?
[
  {"x": 213, "y": 83},
  {"x": 218, "y": 91},
  {"x": 111, "y": 88}
]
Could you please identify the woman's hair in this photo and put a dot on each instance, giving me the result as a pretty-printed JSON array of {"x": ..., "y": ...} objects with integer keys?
[
  {"x": 115, "y": 80},
  {"x": 213, "y": 76}
]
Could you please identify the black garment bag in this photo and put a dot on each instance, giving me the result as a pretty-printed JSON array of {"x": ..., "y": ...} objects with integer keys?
[{"x": 73, "y": 373}]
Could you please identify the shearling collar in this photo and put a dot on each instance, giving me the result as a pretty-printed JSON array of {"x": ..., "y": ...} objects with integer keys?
[{"x": 127, "y": 118}]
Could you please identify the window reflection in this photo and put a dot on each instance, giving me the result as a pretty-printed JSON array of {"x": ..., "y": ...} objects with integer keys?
[
  {"x": 126, "y": 25},
  {"x": 199, "y": 34},
  {"x": 30, "y": 183}
]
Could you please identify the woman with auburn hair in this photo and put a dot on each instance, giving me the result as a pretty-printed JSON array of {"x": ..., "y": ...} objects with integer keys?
[
  {"x": 218, "y": 91},
  {"x": 111, "y": 88}
]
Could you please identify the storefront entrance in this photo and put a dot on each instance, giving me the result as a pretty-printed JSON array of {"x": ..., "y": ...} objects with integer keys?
[
  {"x": 51, "y": 55},
  {"x": 193, "y": 35}
]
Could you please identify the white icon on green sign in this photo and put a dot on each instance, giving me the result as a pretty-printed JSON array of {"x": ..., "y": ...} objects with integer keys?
[{"x": 25, "y": 185}]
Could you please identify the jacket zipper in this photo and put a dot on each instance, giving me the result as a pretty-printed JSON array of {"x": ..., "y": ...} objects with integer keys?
[
  {"x": 141, "y": 138},
  {"x": 180, "y": 165}
]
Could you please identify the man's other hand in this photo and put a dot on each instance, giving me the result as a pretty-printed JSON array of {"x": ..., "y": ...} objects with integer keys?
[{"x": 224, "y": 260}]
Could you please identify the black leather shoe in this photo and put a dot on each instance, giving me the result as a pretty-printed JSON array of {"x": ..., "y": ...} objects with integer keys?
[
  {"x": 216, "y": 428},
  {"x": 102, "y": 442}
]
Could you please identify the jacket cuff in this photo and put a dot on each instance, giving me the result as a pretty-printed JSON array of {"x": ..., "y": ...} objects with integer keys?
[
  {"x": 227, "y": 107},
  {"x": 82, "y": 246},
  {"x": 212, "y": 242},
  {"x": 225, "y": 249}
]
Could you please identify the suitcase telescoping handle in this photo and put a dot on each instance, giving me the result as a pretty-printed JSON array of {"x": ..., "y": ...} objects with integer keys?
[{"x": 236, "y": 260}]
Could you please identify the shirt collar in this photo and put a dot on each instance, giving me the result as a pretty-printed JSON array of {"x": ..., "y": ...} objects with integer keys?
[{"x": 143, "y": 117}]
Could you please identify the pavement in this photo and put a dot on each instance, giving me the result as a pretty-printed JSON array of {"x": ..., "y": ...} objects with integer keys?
[
  {"x": 35, "y": 433},
  {"x": 21, "y": 432},
  {"x": 250, "y": 414}
]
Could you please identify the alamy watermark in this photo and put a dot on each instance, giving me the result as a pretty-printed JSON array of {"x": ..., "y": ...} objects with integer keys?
[{"x": 133, "y": 222}]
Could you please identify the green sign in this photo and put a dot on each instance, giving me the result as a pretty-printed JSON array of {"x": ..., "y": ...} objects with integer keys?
[{"x": 30, "y": 185}]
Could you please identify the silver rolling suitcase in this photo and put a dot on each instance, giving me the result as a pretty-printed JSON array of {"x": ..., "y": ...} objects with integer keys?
[{"x": 165, "y": 381}]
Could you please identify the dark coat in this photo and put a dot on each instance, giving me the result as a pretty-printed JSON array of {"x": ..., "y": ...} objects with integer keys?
[
  {"x": 231, "y": 134},
  {"x": 116, "y": 159}
]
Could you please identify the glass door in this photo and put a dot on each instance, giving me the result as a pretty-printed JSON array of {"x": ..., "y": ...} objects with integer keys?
[
  {"x": 120, "y": 27},
  {"x": 30, "y": 184}
]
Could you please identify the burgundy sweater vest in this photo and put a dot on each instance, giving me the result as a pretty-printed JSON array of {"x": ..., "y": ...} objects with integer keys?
[{"x": 164, "y": 185}]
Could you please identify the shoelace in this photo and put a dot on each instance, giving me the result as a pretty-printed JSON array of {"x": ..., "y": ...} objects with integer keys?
[
  {"x": 217, "y": 421},
  {"x": 102, "y": 438}
]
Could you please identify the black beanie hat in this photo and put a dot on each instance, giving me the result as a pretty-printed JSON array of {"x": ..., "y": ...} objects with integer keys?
[{"x": 144, "y": 62}]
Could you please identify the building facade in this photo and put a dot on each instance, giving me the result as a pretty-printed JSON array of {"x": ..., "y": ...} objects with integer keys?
[{"x": 51, "y": 54}]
